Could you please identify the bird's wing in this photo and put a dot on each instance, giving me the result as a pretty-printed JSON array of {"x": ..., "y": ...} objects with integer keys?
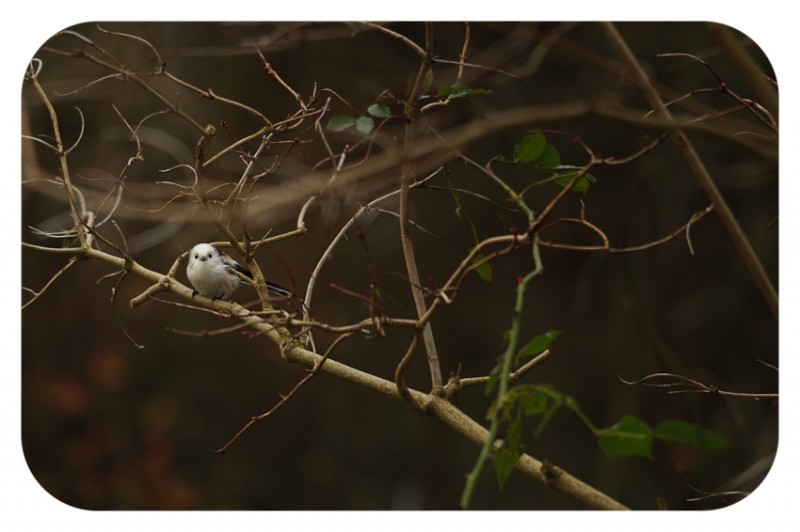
[{"x": 236, "y": 266}]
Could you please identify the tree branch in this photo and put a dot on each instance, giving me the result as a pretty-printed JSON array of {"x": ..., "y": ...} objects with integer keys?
[{"x": 740, "y": 240}]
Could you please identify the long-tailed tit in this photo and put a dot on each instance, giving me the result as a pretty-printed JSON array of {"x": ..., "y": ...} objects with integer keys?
[{"x": 211, "y": 273}]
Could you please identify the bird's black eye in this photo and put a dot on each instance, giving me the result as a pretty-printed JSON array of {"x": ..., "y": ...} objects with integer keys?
[
  {"x": 210, "y": 255},
  {"x": 196, "y": 255}
]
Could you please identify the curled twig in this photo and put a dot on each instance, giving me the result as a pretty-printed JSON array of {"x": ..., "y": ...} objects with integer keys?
[
  {"x": 399, "y": 375},
  {"x": 606, "y": 246}
]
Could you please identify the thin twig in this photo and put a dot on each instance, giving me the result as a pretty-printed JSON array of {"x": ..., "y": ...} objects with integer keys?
[
  {"x": 36, "y": 295},
  {"x": 462, "y": 57},
  {"x": 77, "y": 216},
  {"x": 285, "y": 398},
  {"x": 400, "y": 37},
  {"x": 328, "y": 253},
  {"x": 606, "y": 246},
  {"x": 456, "y": 383},
  {"x": 680, "y": 384},
  {"x": 272, "y": 72}
]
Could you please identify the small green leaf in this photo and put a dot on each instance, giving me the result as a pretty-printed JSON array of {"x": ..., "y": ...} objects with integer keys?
[
  {"x": 449, "y": 90},
  {"x": 365, "y": 124},
  {"x": 506, "y": 457},
  {"x": 340, "y": 122},
  {"x": 538, "y": 344},
  {"x": 630, "y": 436},
  {"x": 582, "y": 185},
  {"x": 457, "y": 90},
  {"x": 530, "y": 148},
  {"x": 504, "y": 461},
  {"x": 379, "y": 110},
  {"x": 534, "y": 402},
  {"x": 550, "y": 158},
  {"x": 485, "y": 269},
  {"x": 676, "y": 431}
]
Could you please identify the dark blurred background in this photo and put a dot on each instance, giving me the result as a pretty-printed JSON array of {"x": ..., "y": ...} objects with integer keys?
[{"x": 110, "y": 426}]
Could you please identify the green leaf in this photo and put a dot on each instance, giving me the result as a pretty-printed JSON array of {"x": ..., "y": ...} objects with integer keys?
[
  {"x": 340, "y": 122},
  {"x": 534, "y": 402},
  {"x": 504, "y": 461},
  {"x": 550, "y": 158},
  {"x": 537, "y": 345},
  {"x": 582, "y": 185},
  {"x": 457, "y": 90},
  {"x": 506, "y": 457},
  {"x": 485, "y": 269},
  {"x": 630, "y": 436},
  {"x": 365, "y": 124},
  {"x": 379, "y": 110},
  {"x": 530, "y": 148},
  {"x": 453, "y": 91},
  {"x": 676, "y": 431}
]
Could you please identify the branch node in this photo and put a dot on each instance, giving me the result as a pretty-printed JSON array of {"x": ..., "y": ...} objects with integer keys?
[{"x": 551, "y": 472}]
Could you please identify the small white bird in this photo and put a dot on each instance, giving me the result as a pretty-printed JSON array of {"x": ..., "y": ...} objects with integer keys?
[{"x": 211, "y": 273}]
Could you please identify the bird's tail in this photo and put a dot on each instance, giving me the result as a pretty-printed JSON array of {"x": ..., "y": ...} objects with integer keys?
[{"x": 279, "y": 290}]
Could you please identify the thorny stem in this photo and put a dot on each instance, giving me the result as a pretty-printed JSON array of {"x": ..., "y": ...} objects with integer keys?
[{"x": 508, "y": 357}]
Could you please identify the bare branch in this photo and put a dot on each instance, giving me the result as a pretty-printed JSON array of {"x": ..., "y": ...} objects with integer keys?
[
  {"x": 606, "y": 246},
  {"x": 285, "y": 398},
  {"x": 36, "y": 295},
  {"x": 400, "y": 37},
  {"x": 679, "y": 384},
  {"x": 456, "y": 383},
  {"x": 741, "y": 241}
]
